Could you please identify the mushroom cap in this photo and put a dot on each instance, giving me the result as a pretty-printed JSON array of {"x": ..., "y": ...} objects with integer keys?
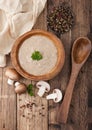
[
  {"x": 59, "y": 95},
  {"x": 12, "y": 74},
  {"x": 43, "y": 84},
  {"x": 20, "y": 88}
]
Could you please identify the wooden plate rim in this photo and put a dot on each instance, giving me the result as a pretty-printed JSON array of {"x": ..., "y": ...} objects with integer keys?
[{"x": 60, "y": 60}]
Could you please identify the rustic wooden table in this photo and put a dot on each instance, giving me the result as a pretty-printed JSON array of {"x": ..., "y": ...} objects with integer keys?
[{"x": 43, "y": 114}]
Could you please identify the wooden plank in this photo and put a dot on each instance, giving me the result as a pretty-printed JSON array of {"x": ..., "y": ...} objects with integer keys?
[
  {"x": 89, "y": 71},
  {"x": 40, "y": 117},
  {"x": 90, "y": 98},
  {"x": 90, "y": 126},
  {"x": 78, "y": 112},
  {"x": 79, "y": 105},
  {"x": 89, "y": 74},
  {"x": 61, "y": 80},
  {"x": 52, "y": 108},
  {"x": 90, "y": 115},
  {"x": 8, "y": 103},
  {"x": 35, "y": 119},
  {"x": 44, "y": 114},
  {"x": 1, "y": 80}
]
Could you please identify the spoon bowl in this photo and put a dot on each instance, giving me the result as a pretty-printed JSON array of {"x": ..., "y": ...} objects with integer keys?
[{"x": 80, "y": 52}]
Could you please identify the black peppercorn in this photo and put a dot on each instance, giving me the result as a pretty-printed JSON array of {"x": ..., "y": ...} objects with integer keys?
[{"x": 61, "y": 19}]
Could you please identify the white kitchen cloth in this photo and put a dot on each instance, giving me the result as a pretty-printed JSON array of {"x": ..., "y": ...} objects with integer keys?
[{"x": 16, "y": 18}]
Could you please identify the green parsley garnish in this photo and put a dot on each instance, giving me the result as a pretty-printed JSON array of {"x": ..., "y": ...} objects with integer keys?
[
  {"x": 36, "y": 55},
  {"x": 30, "y": 89}
]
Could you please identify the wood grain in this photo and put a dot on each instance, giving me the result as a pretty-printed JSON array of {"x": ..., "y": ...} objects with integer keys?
[
  {"x": 37, "y": 118},
  {"x": 89, "y": 72},
  {"x": 61, "y": 80},
  {"x": 81, "y": 106},
  {"x": 78, "y": 112},
  {"x": 8, "y": 103},
  {"x": 82, "y": 28}
]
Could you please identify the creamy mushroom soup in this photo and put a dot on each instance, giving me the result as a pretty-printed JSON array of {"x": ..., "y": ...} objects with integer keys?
[{"x": 45, "y": 47}]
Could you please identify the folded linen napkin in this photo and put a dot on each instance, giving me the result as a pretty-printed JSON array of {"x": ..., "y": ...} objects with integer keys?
[{"x": 16, "y": 18}]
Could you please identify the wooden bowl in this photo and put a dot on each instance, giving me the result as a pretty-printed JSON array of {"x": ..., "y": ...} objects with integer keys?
[{"x": 60, "y": 55}]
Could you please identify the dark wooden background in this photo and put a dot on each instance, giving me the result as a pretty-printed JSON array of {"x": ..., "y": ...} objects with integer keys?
[{"x": 80, "y": 114}]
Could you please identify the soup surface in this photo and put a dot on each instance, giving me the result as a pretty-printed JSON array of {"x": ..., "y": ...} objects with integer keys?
[{"x": 46, "y": 48}]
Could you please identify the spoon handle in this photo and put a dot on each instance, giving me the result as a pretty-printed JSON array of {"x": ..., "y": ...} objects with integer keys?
[{"x": 64, "y": 108}]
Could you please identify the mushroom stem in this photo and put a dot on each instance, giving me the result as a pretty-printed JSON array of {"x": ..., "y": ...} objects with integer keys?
[
  {"x": 10, "y": 81},
  {"x": 41, "y": 91},
  {"x": 16, "y": 84},
  {"x": 51, "y": 96},
  {"x": 2, "y": 60}
]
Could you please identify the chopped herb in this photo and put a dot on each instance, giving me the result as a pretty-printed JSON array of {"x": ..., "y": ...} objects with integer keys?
[
  {"x": 30, "y": 89},
  {"x": 36, "y": 55}
]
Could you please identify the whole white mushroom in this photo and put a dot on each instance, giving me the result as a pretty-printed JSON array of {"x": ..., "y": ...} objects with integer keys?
[
  {"x": 56, "y": 96},
  {"x": 43, "y": 87},
  {"x": 12, "y": 75}
]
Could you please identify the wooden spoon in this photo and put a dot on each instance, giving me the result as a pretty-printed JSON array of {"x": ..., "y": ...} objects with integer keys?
[{"x": 80, "y": 52}]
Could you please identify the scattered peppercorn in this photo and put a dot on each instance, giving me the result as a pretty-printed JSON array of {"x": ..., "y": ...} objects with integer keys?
[
  {"x": 43, "y": 115},
  {"x": 61, "y": 19},
  {"x": 23, "y": 115},
  {"x": 20, "y": 99}
]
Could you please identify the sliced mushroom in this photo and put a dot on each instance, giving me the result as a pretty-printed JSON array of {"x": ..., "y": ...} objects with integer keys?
[
  {"x": 43, "y": 87},
  {"x": 2, "y": 60},
  {"x": 56, "y": 95},
  {"x": 12, "y": 75},
  {"x": 20, "y": 88}
]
